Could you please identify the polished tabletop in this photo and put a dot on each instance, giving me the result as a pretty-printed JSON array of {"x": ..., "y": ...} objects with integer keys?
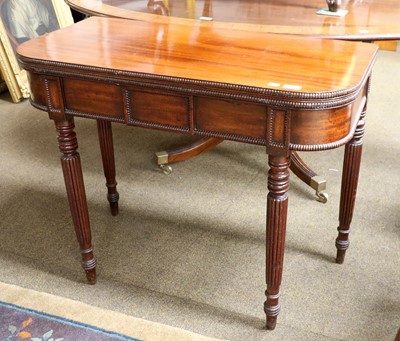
[
  {"x": 365, "y": 20},
  {"x": 252, "y": 59}
]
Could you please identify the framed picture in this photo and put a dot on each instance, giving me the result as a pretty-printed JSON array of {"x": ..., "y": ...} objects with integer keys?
[
  {"x": 3, "y": 85},
  {"x": 21, "y": 20}
]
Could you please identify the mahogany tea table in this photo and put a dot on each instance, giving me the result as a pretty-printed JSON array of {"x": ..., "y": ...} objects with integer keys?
[{"x": 283, "y": 92}]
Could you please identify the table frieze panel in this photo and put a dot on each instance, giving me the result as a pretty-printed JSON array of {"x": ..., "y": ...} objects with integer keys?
[{"x": 157, "y": 109}]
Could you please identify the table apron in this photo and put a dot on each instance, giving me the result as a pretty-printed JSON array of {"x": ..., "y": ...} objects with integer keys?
[{"x": 279, "y": 128}]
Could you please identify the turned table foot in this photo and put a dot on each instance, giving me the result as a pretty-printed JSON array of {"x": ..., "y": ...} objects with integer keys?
[
  {"x": 271, "y": 322},
  {"x": 89, "y": 265}
]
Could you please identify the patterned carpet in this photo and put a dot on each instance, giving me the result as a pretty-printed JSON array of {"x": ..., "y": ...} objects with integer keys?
[
  {"x": 33, "y": 325},
  {"x": 36, "y": 316}
]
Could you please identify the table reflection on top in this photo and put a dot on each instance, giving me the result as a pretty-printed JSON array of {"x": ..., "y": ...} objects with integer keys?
[{"x": 365, "y": 20}]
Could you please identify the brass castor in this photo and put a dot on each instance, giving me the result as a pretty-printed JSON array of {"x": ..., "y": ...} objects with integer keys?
[
  {"x": 167, "y": 170},
  {"x": 322, "y": 197}
]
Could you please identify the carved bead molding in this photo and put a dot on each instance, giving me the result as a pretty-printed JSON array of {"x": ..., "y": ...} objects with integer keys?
[
  {"x": 295, "y": 100},
  {"x": 55, "y": 105},
  {"x": 276, "y": 140},
  {"x": 278, "y": 131}
]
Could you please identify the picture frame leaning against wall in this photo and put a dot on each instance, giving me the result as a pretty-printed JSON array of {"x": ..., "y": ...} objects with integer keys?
[
  {"x": 3, "y": 85},
  {"x": 21, "y": 20}
]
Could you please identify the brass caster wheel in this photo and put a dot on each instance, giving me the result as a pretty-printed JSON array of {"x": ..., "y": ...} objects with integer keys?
[
  {"x": 322, "y": 197},
  {"x": 167, "y": 170}
]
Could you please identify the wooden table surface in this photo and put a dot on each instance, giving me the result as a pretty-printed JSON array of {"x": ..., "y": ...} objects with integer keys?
[
  {"x": 255, "y": 59},
  {"x": 368, "y": 20}
]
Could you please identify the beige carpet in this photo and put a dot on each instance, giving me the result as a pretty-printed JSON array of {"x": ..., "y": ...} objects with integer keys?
[
  {"x": 188, "y": 250},
  {"x": 105, "y": 319}
]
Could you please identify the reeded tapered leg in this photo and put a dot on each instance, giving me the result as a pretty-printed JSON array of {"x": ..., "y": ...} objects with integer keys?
[
  {"x": 351, "y": 170},
  {"x": 71, "y": 166},
  {"x": 277, "y": 203},
  {"x": 107, "y": 154}
]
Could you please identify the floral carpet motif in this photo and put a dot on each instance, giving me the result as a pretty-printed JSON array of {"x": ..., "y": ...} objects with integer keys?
[{"x": 18, "y": 323}]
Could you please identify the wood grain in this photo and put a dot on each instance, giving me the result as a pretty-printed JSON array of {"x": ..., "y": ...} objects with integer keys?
[{"x": 253, "y": 59}]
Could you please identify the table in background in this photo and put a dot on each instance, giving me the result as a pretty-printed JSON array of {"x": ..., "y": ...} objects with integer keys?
[{"x": 365, "y": 21}]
